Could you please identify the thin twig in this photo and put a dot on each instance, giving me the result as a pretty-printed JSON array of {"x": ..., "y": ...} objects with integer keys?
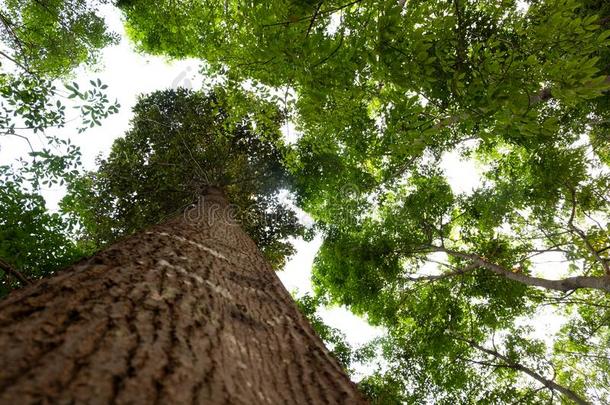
[
  {"x": 313, "y": 17},
  {"x": 327, "y": 11},
  {"x": 583, "y": 236}
]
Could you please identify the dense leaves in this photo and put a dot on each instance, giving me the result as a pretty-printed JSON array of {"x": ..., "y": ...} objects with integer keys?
[
  {"x": 36, "y": 241},
  {"x": 51, "y": 37},
  {"x": 181, "y": 142},
  {"x": 384, "y": 93}
]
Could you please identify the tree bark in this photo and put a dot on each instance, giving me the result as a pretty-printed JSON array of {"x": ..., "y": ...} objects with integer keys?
[{"x": 187, "y": 311}]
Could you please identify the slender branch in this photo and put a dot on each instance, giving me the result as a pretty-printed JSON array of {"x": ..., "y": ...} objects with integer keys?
[
  {"x": 327, "y": 11},
  {"x": 591, "y": 356},
  {"x": 16, "y": 62},
  {"x": 550, "y": 384},
  {"x": 313, "y": 17},
  {"x": 457, "y": 272},
  {"x": 602, "y": 250},
  {"x": 330, "y": 55},
  {"x": 18, "y": 42},
  {"x": 19, "y": 136},
  {"x": 461, "y": 47},
  {"x": 583, "y": 236},
  {"x": 575, "y": 301},
  {"x": 14, "y": 272},
  {"x": 544, "y": 94}
]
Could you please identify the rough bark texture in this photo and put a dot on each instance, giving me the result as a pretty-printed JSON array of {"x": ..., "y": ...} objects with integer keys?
[{"x": 185, "y": 312}]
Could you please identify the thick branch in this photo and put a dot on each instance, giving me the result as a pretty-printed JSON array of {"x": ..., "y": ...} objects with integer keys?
[
  {"x": 566, "y": 284},
  {"x": 14, "y": 272}
]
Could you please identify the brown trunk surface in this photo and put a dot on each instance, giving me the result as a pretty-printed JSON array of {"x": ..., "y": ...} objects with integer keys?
[{"x": 187, "y": 311}]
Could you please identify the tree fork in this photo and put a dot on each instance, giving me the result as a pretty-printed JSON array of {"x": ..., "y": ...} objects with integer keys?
[{"x": 187, "y": 311}]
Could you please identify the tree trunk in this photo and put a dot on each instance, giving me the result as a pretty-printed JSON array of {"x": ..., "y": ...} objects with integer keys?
[{"x": 187, "y": 311}]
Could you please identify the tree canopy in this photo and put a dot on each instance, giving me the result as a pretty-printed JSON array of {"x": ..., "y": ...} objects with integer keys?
[
  {"x": 179, "y": 143},
  {"x": 382, "y": 92}
]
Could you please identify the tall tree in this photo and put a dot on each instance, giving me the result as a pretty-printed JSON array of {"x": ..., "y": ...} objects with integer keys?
[
  {"x": 384, "y": 92},
  {"x": 188, "y": 310},
  {"x": 179, "y": 142}
]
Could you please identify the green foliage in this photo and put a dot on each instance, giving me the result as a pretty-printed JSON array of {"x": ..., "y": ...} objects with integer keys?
[
  {"x": 49, "y": 38},
  {"x": 333, "y": 338},
  {"x": 179, "y": 143},
  {"x": 42, "y": 41},
  {"x": 384, "y": 91},
  {"x": 35, "y": 241}
]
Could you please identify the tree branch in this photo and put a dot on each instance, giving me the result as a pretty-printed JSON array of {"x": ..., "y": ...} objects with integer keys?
[
  {"x": 591, "y": 356},
  {"x": 550, "y": 384},
  {"x": 19, "y": 136},
  {"x": 583, "y": 236},
  {"x": 457, "y": 272},
  {"x": 566, "y": 284},
  {"x": 14, "y": 272},
  {"x": 324, "y": 12},
  {"x": 8, "y": 25},
  {"x": 313, "y": 17},
  {"x": 16, "y": 62},
  {"x": 544, "y": 94}
]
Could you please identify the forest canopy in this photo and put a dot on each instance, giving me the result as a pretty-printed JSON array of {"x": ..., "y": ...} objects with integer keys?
[
  {"x": 41, "y": 43},
  {"x": 382, "y": 94}
]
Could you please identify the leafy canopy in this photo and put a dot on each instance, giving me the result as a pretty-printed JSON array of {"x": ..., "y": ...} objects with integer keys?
[
  {"x": 382, "y": 93},
  {"x": 179, "y": 143}
]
